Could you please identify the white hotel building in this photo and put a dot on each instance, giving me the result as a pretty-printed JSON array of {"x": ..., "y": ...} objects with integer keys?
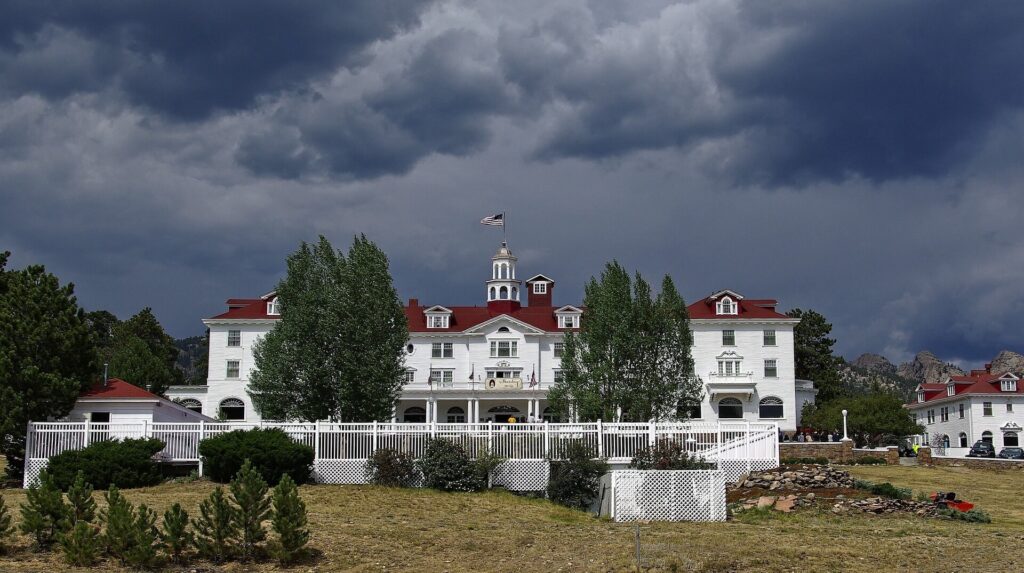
[{"x": 493, "y": 362}]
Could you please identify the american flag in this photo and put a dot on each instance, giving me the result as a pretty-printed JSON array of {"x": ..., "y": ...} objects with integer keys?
[
  {"x": 533, "y": 378},
  {"x": 494, "y": 220}
]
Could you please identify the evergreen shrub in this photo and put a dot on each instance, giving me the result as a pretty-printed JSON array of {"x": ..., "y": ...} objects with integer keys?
[
  {"x": 270, "y": 450},
  {"x": 446, "y": 466},
  {"x": 391, "y": 468},
  {"x": 575, "y": 479},
  {"x": 124, "y": 463},
  {"x": 667, "y": 455},
  {"x": 289, "y": 523}
]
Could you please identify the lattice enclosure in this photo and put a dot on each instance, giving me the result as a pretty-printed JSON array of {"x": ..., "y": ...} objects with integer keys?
[
  {"x": 340, "y": 471},
  {"x": 32, "y": 469},
  {"x": 522, "y": 475},
  {"x": 660, "y": 495}
]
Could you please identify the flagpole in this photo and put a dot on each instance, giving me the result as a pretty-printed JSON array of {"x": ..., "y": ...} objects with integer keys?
[{"x": 504, "y": 227}]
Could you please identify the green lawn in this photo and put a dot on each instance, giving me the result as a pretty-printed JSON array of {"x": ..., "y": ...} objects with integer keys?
[{"x": 361, "y": 528}]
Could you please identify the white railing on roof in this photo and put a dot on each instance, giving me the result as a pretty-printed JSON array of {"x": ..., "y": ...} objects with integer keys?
[{"x": 737, "y": 447}]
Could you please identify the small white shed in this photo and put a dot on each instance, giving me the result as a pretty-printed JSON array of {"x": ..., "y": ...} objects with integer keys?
[{"x": 118, "y": 402}]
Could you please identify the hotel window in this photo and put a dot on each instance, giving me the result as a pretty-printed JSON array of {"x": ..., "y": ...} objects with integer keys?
[
  {"x": 769, "y": 338},
  {"x": 274, "y": 307},
  {"x": 233, "y": 368},
  {"x": 730, "y": 409},
  {"x": 727, "y": 306},
  {"x": 688, "y": 410},
  {"x": 540, "y": 288},
  {"x": 963, "y": 439},
  {"x": 728, "y": 338},
  {"x": 437, "y": 321},
  {"x": 931, "y": 416},
  {"x": 441, "y": 350},
  {"x": 442, "y": 377},
  {"x": 770, "y": 369},
  {"x": 234, "y": 338},
  {"x": 504, "y": 349},
  {"x": 1009, "y": 407},
  {"x": 1008, "y": 385},
  {"x": 961, "y": 408},
  {"x": 558, "y": 377},
  {"x": 559, "y": 349},
  {"x": 770, "y": 407},
  {"x": 986, "y": 408},
  {"x": 728, "y": 367},
  {"x": 950, "y": 390},
  {"x": 944, "y": 414},
  {"x": 410, "y": 376},
  {"x": 567, "y": 321}
]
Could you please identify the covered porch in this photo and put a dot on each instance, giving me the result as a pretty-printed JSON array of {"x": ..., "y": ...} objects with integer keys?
[{"x": 457, "y": 408}]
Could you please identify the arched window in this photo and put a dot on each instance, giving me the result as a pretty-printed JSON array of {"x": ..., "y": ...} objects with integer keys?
[
  {"x": 232, "y": 409},
  {"x": 730, "y": 409},
  {"x": 273, "y": 307},
  {"x": 192, "y": 404},
  {"x": 503, "y": 293},
  {"x": 963, "y": 439},
  {"x": 1010, "y": 440},
  {"x": 493, "y": 293},
  {"x": 515, "y": 293},
  {"x": 770, "y": 407},
  {"x": 504, "y": 271},
  {"x": 501, "y": 414},
  {"x": 503, "y": 329},
  {"x": 986, "y": 437},
  {"x": 415, "y": 415},
  {"x": 945, "y": 441},
  {"x": 456, "y": 415},
  {"x": 688, "y": 410},
  {"x": 726, "y": 306}
]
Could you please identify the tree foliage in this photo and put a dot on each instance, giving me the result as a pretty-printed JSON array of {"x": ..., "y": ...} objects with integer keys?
[
  {"x": 289, "y": 522},
  {"x": 44, "y": 515},
  {"x": 812, "y": 349},
  {"x": 46, "y": 354},
  {"x": 337, "y": 352},
  {"x": 142, "y": 354},
  {"x": 252, "y": 508},
  {"x": 175, "y": 534},
  {"x": 873, "y": 419},
  {"x": 6, "y": 528},
  {"x": 632, "y": 352},
  {"x": 215, "y": 529},
  {"x": 82, "y": 507}
]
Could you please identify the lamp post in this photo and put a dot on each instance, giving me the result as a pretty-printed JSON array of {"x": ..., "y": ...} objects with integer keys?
[{"x": 846, "y": 437}]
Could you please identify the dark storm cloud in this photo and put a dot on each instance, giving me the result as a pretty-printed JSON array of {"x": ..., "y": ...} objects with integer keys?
[{"x": 189, "y": 58}]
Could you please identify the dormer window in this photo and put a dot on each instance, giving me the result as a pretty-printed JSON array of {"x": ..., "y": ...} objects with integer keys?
[
  {"x": 273, "y": 307},
  {"x": 1008, "y": 385},
  {"x": 920, "y": 396},
  {"x": 950, "y": 390},
  {"x": 540, "y": 288},
  {"x": 567, "y": 321},
  {"x": 568, "y": 317},
  {"x": 437, "y": 321},
  {"x": 727, "y": 306}
]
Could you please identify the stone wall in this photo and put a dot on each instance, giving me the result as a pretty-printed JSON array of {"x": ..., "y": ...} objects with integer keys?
[
  {"x": 978, "y": 463},
  {"x": 891, "y": 454},
  {"x": 924, "y": 456},
  {"x": 839, "y": 452}
]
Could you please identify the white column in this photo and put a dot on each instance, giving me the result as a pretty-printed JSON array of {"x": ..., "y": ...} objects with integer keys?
[
  {"x": 469, "y": 411},
  {"x": 476, "y": 410},
  {"x": 435, "y": 410},
  {"x": 529, "y": 410}
]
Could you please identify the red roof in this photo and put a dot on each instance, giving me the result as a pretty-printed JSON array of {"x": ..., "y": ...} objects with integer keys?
[
  {"x": 117, "y": 388},
  {"x": 466, "y": 317},
  {"x": 246, "y": 308},
  {"x": 749, "y": 308},
  {"x": 980, "y": 382}
]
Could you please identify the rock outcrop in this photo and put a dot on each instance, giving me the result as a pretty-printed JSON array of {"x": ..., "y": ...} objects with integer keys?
[
  {"x": 1008, "y": 361},
  {"x": 927, "y": 368},
  {"x": 874, "y": 363}
]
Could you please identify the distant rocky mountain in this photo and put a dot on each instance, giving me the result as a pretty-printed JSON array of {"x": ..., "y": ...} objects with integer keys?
[
  {"x": 192, "y": 358},
  {"x": 870, "y": 371}
]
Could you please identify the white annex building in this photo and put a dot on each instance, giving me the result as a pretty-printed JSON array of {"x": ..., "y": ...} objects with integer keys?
[
  {"x": 968, "y": 409},
  {"x": 497, "y": 361}
]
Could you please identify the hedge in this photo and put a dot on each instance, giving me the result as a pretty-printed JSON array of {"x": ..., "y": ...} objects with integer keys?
[
  {"x": 272, "y": 453},
  {"x": 124, "y": 463}
]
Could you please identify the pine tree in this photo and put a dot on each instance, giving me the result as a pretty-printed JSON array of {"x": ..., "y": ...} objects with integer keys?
[
  {"x": 215, "y": 530},
  {"x": 6, "y": 529},
  {"x": 119, "y": 519},
  {"x": 142, "y": 553},
  {"x": 46, "y": 354},
  {"x": 175, "y": 534},
  {"x": 82, "y": 544},
  {"x": 82, "y": 505},
  {"x": 44, "y": 515},
  {"x": 288, "y": 522},
  {"x": 252, "y": 508},
  {"x": 812, "y": 350}
]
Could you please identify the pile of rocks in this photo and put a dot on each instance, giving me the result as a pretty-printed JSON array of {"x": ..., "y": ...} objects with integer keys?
[
  {"x": 798, "y": 478},
  {"x": 883, "y": 505}
]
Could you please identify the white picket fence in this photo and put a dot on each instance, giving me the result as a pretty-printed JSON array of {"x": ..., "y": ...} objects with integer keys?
[{"x": 341, "y": 450}]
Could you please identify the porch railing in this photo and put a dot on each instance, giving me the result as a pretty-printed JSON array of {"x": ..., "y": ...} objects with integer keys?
[{"x": 742, "y": 446}]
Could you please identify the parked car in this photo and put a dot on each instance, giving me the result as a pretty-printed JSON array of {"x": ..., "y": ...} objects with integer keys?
[
  {"x": 1012, "y": 453},
  {"x": 982, "y": 450}
]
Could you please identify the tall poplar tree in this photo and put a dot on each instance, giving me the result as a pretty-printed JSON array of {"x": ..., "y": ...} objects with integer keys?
[
  {"x": 337, "y": 351},
  {"x": 46, "y": 354},
  {"x": 632, "y": 352}
]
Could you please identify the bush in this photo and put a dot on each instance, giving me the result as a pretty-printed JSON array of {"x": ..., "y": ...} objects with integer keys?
[
  {"x": 446, "y": 466},
  {"x": 289, "y": 523},
  {"x": 124, "y": 463},
  {"x": 821, "y": 461},
  {"x": 174, "y": 534},
  {"x": 667, "y": 455},
  {"x": 215, "y": 529},
  {"x": 868, "y": 461},
  {"x": 575, "y": 480},
  {"x": 119, "y": 517},
  {"x": 271, "y": 452},
  {"x": 142, "y": 551},
  {"x": 972, "y": 516},
  {"x": 44, "y": 515},
  {"x": 82, "y": 507},
  {"x": 252, "y": 508},
  {"x": 391, "y": 468},
  {"x": 884, "y": 489},
  {"x": 82, "y": 545}
]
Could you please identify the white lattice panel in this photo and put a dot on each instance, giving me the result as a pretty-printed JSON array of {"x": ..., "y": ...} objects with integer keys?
[
  {"x": 666, "y": 495},
  {"x": 32, "y": 469},
  {"x": 522, "y": 475},
  {"x": 340, "y": 471}
]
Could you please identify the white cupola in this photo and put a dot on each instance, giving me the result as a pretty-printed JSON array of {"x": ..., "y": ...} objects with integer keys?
[{"x": 503, "y": 286}]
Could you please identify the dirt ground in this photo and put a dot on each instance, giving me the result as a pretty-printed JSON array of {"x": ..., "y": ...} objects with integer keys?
[{"x": 363, "y": 529}]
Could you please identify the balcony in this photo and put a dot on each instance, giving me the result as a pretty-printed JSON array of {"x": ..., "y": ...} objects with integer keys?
[{"x": 732, "y": 375}]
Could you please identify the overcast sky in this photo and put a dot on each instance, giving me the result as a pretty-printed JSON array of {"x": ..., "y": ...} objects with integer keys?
[{"x": 862, "y": 158}]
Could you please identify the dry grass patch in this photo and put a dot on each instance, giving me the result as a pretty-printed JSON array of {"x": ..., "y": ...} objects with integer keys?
[{"x": 363, "y": 529}]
